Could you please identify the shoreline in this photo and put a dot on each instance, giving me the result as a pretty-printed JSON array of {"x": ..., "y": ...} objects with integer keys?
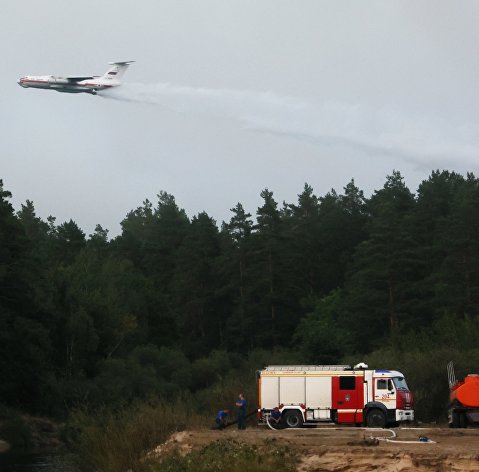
[{"x": 31, "y": 434}]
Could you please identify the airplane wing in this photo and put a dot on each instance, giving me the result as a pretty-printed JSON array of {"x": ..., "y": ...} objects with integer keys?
[{"x": 78, "y": 79}]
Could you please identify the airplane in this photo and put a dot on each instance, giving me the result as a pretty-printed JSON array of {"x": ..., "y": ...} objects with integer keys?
[{"x": 111, "y": 78}]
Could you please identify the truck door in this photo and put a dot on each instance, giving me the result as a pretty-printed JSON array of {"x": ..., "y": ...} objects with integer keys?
[
  {"x": 385, "y": 393},
  {"x": 348, "y": 398}
]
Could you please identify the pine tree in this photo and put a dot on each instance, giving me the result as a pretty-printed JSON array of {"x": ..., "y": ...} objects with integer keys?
[
  {"x": 379, "y": 280},
  {"x": 302, "y": 233},
  {"x": 267, "y": 266},
  {"x": 24, "y": 343},
  {"x": 459, "y": 238},
  {"x": 235, "y": 270},
  {"x": 195, "y": 287}
]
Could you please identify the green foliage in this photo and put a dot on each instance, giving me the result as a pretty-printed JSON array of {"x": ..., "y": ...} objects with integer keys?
[
  {"x": 173, "y": 306},
  {"x": 379, "y": 283},
  {"x": 323, "y": 336},
  {"x": 228, "y": 455},
  {"x": 196, "y": 281},
  {"x": 116, "y": 440},
  {"x": 214, "y": 367},
  {"x": 112, "y": 438},
  {"x": 240, "y": 377}
]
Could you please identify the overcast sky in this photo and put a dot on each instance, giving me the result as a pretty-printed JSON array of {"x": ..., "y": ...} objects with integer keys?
[{"x": 228, "y": 97}]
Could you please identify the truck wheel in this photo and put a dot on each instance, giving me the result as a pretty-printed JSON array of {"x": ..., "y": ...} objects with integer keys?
[
  {"x": 376, "y": 419},
  {"x": 293, "y": 419},
  {"x": 462, "y": 420}
]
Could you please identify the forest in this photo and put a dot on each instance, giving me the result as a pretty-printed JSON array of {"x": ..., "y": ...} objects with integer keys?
[{"x": 174, "y": 305}]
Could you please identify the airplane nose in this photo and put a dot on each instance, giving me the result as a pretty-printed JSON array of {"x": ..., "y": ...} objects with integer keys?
[{"x": 21, "y": 82}]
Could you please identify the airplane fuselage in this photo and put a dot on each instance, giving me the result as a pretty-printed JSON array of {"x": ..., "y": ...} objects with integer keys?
[
  {"x": 61, "y": 84},
  {"x": 78, "y": 84}
]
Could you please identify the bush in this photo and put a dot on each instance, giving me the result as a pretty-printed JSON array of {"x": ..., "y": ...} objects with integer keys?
[
  {"x": 112, "y": 441},
  {"x": 228, "y": 455}
]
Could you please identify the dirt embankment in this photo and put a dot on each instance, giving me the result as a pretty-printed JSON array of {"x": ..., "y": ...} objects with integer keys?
[
  {"x": 45, "y": 433},
  {"x": 329, "y": 449}
]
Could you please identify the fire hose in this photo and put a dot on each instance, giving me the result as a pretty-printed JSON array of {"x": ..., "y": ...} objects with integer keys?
[{"x": 391, "y": 439}]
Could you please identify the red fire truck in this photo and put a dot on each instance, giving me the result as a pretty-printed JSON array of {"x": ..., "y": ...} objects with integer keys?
[{"x": 308, "y": 394}]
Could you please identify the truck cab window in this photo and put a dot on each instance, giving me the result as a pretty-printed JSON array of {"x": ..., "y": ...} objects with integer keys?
[
  {"x": 384, "y": 384},
  {"x": 381, "y": 385},
  {"x": 347, "y": 383}
]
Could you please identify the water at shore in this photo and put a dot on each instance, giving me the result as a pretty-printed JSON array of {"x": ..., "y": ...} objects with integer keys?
[{"x": 14, "y": 462}]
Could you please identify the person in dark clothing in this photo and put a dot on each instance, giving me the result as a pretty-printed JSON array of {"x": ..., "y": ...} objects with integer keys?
[
  {"x": 275, "y": 416},
  {"x": 222, "y": 419},
  {"x": 241, "y": 404}
]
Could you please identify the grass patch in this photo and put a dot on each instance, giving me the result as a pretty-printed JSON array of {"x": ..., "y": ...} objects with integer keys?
[
  {"x": 229, "y": 455},
  {"x": 115, "y": 441}
]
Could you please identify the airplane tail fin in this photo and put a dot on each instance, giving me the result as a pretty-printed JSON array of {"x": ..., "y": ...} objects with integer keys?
[{"x": 116, "y": 71}]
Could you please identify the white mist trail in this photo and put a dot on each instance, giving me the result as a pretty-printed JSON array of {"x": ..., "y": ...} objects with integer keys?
[{"x": 422, "y": 139}]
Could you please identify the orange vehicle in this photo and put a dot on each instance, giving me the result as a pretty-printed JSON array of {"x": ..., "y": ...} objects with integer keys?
[{"x": 463, "y": 407}]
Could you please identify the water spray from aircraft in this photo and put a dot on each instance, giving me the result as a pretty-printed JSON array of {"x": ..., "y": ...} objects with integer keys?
[{"x": 421, "y": 139}]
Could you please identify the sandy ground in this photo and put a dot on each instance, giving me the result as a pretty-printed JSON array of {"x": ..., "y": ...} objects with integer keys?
[{"x": 352, "y": 449}]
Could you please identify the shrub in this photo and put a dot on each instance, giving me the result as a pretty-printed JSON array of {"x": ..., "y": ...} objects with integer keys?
[
  {"x": 228, "y": 455},
  {"x": 116, "y": 440}
]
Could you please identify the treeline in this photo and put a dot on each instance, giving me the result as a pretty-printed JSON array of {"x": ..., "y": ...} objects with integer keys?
[{"x": 172, "y": 304}]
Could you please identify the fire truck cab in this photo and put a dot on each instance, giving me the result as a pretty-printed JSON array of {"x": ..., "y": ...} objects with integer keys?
[{"x": 308, "y": 394}]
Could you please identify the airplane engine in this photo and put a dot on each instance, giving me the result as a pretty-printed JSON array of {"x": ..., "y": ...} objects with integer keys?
[{"x": 58, "y": 81}]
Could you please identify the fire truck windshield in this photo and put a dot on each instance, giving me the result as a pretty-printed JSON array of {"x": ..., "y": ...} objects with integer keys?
[{"x": 400, "y": 383}]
